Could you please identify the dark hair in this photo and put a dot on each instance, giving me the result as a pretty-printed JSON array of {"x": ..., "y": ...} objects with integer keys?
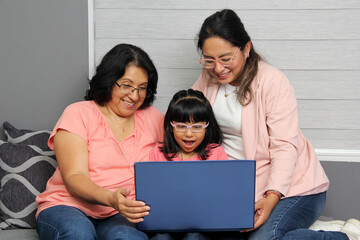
[
  {"x": 113, "y": 66},
  {"x": 227, "y": 25},
  {"x": 190, "y": 106}
]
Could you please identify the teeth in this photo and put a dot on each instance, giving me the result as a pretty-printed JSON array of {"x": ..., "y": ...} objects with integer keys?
[
  {"x": 129, "y": 103},
  {"x": 223, "y": 75}
]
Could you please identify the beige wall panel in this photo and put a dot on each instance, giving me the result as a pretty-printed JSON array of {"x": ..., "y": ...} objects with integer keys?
[
  {"x": 329, "y": 114},
  {"x": 301, "y": 55},
  {"x": 171, "y": 81},
  {"x": 335, "y": 84},
  {"x": 276, "y": 24},
  {"x": 234, "y": 4},
  {"x": 333, "y": 139}
]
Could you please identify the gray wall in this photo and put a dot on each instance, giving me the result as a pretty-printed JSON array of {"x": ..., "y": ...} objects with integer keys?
[{"x": 43, "y": 60}]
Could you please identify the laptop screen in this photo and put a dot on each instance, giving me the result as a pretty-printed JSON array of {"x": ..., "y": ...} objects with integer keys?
[{"x": 211, "y": 195}]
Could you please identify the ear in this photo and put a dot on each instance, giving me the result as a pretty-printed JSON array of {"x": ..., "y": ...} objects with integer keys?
[{"x": 247, "y": 49}]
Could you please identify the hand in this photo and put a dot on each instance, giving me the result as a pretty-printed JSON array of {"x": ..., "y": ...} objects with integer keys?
[
  {"x": 263, "y": 208},
  {"x": 132, "y": 210}
]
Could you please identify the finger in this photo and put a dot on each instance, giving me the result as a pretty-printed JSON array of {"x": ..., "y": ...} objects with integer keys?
[
  {"x": 135, "y": 217},
  {"x": 134, "y": 203}
]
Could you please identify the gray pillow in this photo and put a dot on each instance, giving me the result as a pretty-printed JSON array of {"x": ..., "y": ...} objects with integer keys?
[
  {"x": 24, "y": 170},
  {"x": 28, "y": 137}
]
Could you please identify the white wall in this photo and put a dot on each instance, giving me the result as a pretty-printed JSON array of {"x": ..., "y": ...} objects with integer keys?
[{"x": 316, "y": 44}]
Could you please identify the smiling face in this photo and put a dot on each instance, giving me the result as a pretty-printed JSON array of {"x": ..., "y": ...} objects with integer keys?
[
  {"x": 188, "y": 141},
  {"x": 125, "y": 104},
  {"x": 217, "y": 48}
]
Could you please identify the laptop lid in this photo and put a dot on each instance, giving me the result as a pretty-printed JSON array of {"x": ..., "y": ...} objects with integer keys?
[{"x": 196, "y": 195}]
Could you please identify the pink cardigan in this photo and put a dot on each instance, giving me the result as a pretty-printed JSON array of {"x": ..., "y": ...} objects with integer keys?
[{"x": 285, "y": 159}]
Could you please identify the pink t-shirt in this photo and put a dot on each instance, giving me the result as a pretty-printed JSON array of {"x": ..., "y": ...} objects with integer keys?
[
  {"x": 217, "y": 153},
  {"x": 111, "y": 163}
]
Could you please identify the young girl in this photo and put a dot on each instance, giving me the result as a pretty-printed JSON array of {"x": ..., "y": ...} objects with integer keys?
[
  {"x": 191, "y": 130},
  {"x": 191, "y": 133}
]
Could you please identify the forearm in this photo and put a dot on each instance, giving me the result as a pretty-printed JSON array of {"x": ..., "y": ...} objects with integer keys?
[{"x": 81, "y": 186}]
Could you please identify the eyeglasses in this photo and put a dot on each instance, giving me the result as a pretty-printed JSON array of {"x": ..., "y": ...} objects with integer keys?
[
  {"x": 182, "y": 127},
  {"x": 226, "y": 61},
  {"x": 127, "y": 89}
]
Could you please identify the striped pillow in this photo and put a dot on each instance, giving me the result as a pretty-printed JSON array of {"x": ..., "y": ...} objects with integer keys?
[{"x": 26, "y": 163}]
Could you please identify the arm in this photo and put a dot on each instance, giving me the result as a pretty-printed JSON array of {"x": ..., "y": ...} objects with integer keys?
[
  {"x": 72, "y": 156},
  {"x": 280, "y": 109}
]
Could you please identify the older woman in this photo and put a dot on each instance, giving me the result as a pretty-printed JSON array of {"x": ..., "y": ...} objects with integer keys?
[{"x": 96, "y": 142}]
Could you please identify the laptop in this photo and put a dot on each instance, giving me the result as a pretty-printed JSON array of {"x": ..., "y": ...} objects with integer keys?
[{"x": 211, "y": 195}]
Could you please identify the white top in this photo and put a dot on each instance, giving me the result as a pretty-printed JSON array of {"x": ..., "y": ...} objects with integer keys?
[{"x": 227, "y": 111}]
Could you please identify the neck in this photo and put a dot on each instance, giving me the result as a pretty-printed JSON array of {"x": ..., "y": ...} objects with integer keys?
[{"x": 186, "y": 155}]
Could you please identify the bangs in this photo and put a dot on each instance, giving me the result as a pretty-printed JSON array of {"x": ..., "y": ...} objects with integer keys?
[{"x": 189, "y": 110}]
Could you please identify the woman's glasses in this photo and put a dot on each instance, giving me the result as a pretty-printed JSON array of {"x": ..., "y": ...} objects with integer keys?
[
  {"x": 182, "y": 127},
  {"x": 226, "y": 61},
  {"x": 127, "y": 89}
]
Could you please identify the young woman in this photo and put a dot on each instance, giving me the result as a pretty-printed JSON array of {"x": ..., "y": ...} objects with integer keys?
[
  {"x": 191, "y": 130},
  {"x": 256, "y": 109}
]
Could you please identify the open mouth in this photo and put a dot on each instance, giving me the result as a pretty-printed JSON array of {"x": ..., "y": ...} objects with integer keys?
[
  {"x": 223, "y": 76},
  {"x": 189, "y": 143},
  {"x": 130, "y": 104}
]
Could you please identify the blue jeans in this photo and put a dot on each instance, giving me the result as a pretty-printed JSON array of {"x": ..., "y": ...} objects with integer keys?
[
  {"x": 289, "y": 220},
  {"x": 292, "y": 217},
  {"x": 64, "y": 222}
]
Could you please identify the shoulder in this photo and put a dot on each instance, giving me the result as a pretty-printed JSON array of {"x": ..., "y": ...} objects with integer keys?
[
  {"x": 83, "y": 107},
  {"x": 269, "y": 78},
  {"x": 216, "y": 152},
  {"x": 151, "y": 120},
  {"x": 150, "y": 116}
]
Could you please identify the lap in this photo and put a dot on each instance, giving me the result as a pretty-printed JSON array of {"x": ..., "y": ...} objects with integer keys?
[
  {"x": 65, "y": 222},
  {"x": 290, "y": 214}
]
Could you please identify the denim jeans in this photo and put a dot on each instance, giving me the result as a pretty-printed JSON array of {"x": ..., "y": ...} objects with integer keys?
[
  {"x": 289, "y": 220},
  {"x": 292, "y": 217},
  {"x": 64, "y": 222}
]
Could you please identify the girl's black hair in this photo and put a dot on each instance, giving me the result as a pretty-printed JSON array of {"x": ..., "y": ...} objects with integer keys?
[
  {"x": 190, "y": 106},
  {"x": 113, "y": 67}
]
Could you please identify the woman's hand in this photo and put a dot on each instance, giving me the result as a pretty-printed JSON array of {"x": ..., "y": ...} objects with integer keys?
[
  {"x": 263, "y": 208},
  {"x": 132, "y": 210}
]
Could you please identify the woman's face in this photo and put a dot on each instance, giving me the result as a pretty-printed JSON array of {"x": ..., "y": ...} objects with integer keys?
[
  {"x": 124, "y": 102},
  {"x": 221, "y": 51}
]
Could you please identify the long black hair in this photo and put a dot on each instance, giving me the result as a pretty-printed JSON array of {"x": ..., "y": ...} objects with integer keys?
[
  {"x": 113, "y": 67},
  {"x": 190, "y": 106}
]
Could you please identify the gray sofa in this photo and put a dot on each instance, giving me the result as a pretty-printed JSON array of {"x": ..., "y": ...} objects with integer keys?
[{"x": 26, "y": 163}]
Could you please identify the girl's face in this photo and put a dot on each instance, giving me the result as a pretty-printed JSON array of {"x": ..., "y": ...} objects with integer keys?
[
  {"x": 188, "y": 138},
  {"x": 220, "y": 51}
]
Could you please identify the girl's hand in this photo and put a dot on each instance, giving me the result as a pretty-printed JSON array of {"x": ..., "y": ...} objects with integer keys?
[
  {"x": 263, "y": 208},
  {"x": 132, "y": 210}
]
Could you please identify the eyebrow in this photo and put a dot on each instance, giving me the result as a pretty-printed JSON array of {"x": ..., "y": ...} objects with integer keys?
[
  {"x": 128, "y": 79},
  {"x": 222, "y": 55}
]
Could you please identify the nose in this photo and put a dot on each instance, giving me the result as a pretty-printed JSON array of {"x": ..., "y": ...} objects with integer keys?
[
  {"x": 218, "y": 67},
  {"x": 134, "y": 95},
  {"x": 188, "y": 132}
]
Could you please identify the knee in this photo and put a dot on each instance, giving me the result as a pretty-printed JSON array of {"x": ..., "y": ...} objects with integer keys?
[
  {"x": 124, "y": 232},
  {"x": 79, "y": 230}
]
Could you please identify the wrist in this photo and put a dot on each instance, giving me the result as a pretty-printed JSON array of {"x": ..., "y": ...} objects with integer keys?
[{"x": 273, "y": 192}]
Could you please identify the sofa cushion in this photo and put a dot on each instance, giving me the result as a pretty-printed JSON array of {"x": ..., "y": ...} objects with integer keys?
[
  {"x": 28, "y": 137},
  {"x": 26, "y": 163}
]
